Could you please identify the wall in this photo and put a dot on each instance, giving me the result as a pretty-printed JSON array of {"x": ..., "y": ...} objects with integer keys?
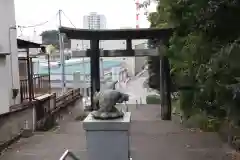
[
  {"x": 12, "y": 123},
  {"x": 139, "y": 63},
  {"x": 114, "y": 44},
  {"x": 22, "y": 69},
  {"x": 129, "y": 65},
  {"x": 9, "y": 68},
  {"x": 4, "y": 86}
]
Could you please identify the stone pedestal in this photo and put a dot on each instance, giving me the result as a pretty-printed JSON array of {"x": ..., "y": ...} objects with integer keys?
[{"x": 107, "y": 139}]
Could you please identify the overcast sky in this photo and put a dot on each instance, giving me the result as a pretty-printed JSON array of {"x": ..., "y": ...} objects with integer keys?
[{"x": 119, "y": 13}]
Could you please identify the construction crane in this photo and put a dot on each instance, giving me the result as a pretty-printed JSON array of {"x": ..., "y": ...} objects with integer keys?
[{"x": 143, "y": 5}]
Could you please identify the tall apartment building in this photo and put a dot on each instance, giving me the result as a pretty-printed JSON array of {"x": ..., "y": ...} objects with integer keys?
[
  {"x": 90, "y": 21},
  {"x": 94, "y": 21}
]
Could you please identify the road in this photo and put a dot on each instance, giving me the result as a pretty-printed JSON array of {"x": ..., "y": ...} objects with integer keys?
[{"x": 137, "y": 93}]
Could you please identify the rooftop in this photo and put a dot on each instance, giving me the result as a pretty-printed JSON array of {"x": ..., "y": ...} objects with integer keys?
[
  {"x": 27, "y": 44},
  {"x": 117, "y": 34}
]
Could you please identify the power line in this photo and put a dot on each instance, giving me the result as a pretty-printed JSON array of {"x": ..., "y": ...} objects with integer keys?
[
  {"x": 39, "y": 24},
  {"x": 68, "y": 19}
]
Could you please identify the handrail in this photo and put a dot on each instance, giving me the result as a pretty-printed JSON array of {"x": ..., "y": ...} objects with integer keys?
[
  {"x": 40, "y": 85},
  {"x": 70, "y": 154},
  {"x": 67, "y": 98}
]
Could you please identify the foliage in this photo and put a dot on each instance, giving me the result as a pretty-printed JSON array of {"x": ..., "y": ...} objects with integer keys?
[
  {"x": 204, "y": 54},
  {"x": 50, "y": 49},
  {"x": 154, "y": 70},
  {"x": 51, "y": 37},
  {"x": 153, "y": 99}
]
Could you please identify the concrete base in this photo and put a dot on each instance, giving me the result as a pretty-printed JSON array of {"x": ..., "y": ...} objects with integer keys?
[
  {"x": 26, "y": 133},
  {"x": 107, "y": 139}
]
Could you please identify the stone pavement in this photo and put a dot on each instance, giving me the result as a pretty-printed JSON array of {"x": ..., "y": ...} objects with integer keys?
[
  {"x": 151, "y": 139},
  {"x": 135, "y": 89}
]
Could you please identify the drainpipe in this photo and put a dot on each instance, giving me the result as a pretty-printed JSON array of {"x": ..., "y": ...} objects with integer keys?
[{"x": 11, "y": 63}]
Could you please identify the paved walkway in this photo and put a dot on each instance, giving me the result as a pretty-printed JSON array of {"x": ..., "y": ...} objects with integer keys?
[
  {"x": 151, "y": 139},
  {"x": 135, "y": 89}
]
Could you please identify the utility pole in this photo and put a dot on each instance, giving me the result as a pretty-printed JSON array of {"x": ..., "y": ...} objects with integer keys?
[
  {"x": 84, "y": 72},
  {"x": 62, "y": 58}
]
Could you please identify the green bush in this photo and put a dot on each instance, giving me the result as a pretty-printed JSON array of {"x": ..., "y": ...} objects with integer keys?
[
  {"x": 153, "y": 99},
  {"x": 203, "y": 122},
  {"x": 176, "y": 107}
]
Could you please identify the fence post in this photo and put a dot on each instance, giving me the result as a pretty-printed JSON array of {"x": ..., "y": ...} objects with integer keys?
[
  {"x": 34, "y": 119},
  {"x": 72, "y": 94},
  {"x": 21, "y": 91}
]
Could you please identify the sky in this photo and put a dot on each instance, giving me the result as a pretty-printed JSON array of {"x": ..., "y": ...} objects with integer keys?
[{"x": 119, "y": 13}]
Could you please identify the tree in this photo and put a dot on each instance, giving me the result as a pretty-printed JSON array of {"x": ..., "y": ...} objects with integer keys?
[
  {"x": 51, "y": 37},
  {"x": 203, "y": 54}
]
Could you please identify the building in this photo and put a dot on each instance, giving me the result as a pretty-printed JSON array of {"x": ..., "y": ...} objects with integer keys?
[
  {"x": 9, "y": 69},
  {"x": 94, "y": 21},
  {"x": 90, "y": 21}
]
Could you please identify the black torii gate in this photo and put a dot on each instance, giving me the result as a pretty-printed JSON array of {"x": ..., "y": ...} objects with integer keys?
[{"x": 161, "y": 35}]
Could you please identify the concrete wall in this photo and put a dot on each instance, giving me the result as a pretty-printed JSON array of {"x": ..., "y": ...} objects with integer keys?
[
  {"x": 139, "y": 63},
  {"x": 9, "y": 65},
  {"x": 130, "y": 65},
  {"x": 4, "y": 86},
  {"x": 22, "y": 69},
  {"x": 12, "y": 123},
  {"x": 114, "y": 44}
]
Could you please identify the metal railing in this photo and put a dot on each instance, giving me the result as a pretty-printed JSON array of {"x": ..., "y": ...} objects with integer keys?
[
  {"x": 66, "y": 154},
  {"x": 41, "y": 85},
  {"x": 67, "y": 98},
  {"x": 49, "y": 110}
]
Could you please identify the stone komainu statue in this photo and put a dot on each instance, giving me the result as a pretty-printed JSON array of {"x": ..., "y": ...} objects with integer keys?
[{"x": 107, "y": 100}]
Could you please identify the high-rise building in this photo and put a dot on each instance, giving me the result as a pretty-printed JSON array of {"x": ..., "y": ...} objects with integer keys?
[
  {"x": 94, "y": 21},
  {"x": 90, "y": 21}
]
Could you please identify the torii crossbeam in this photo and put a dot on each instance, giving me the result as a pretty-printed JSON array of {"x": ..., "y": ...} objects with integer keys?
[{"x": 117, "y": 34}]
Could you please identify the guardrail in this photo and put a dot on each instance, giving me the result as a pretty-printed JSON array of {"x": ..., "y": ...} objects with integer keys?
[
  {"x": 66, "y": 154},
  {"x": 51, "y": 107},
  {"x": 69, "y": 97}
]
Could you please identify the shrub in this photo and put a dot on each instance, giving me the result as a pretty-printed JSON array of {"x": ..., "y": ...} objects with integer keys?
[
  {"x": 153, "y": 99},
  {"x": 202, "y": 121}
]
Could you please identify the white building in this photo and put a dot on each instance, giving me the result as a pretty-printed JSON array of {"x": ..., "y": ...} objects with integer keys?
[
  {"x": 90, "y": 21},
  {"x": 94, "y": 21},
  {"x": 9, "y": 69}
]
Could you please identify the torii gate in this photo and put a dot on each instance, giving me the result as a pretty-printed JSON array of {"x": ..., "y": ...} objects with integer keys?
[{"x": 94, "y": 53}]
